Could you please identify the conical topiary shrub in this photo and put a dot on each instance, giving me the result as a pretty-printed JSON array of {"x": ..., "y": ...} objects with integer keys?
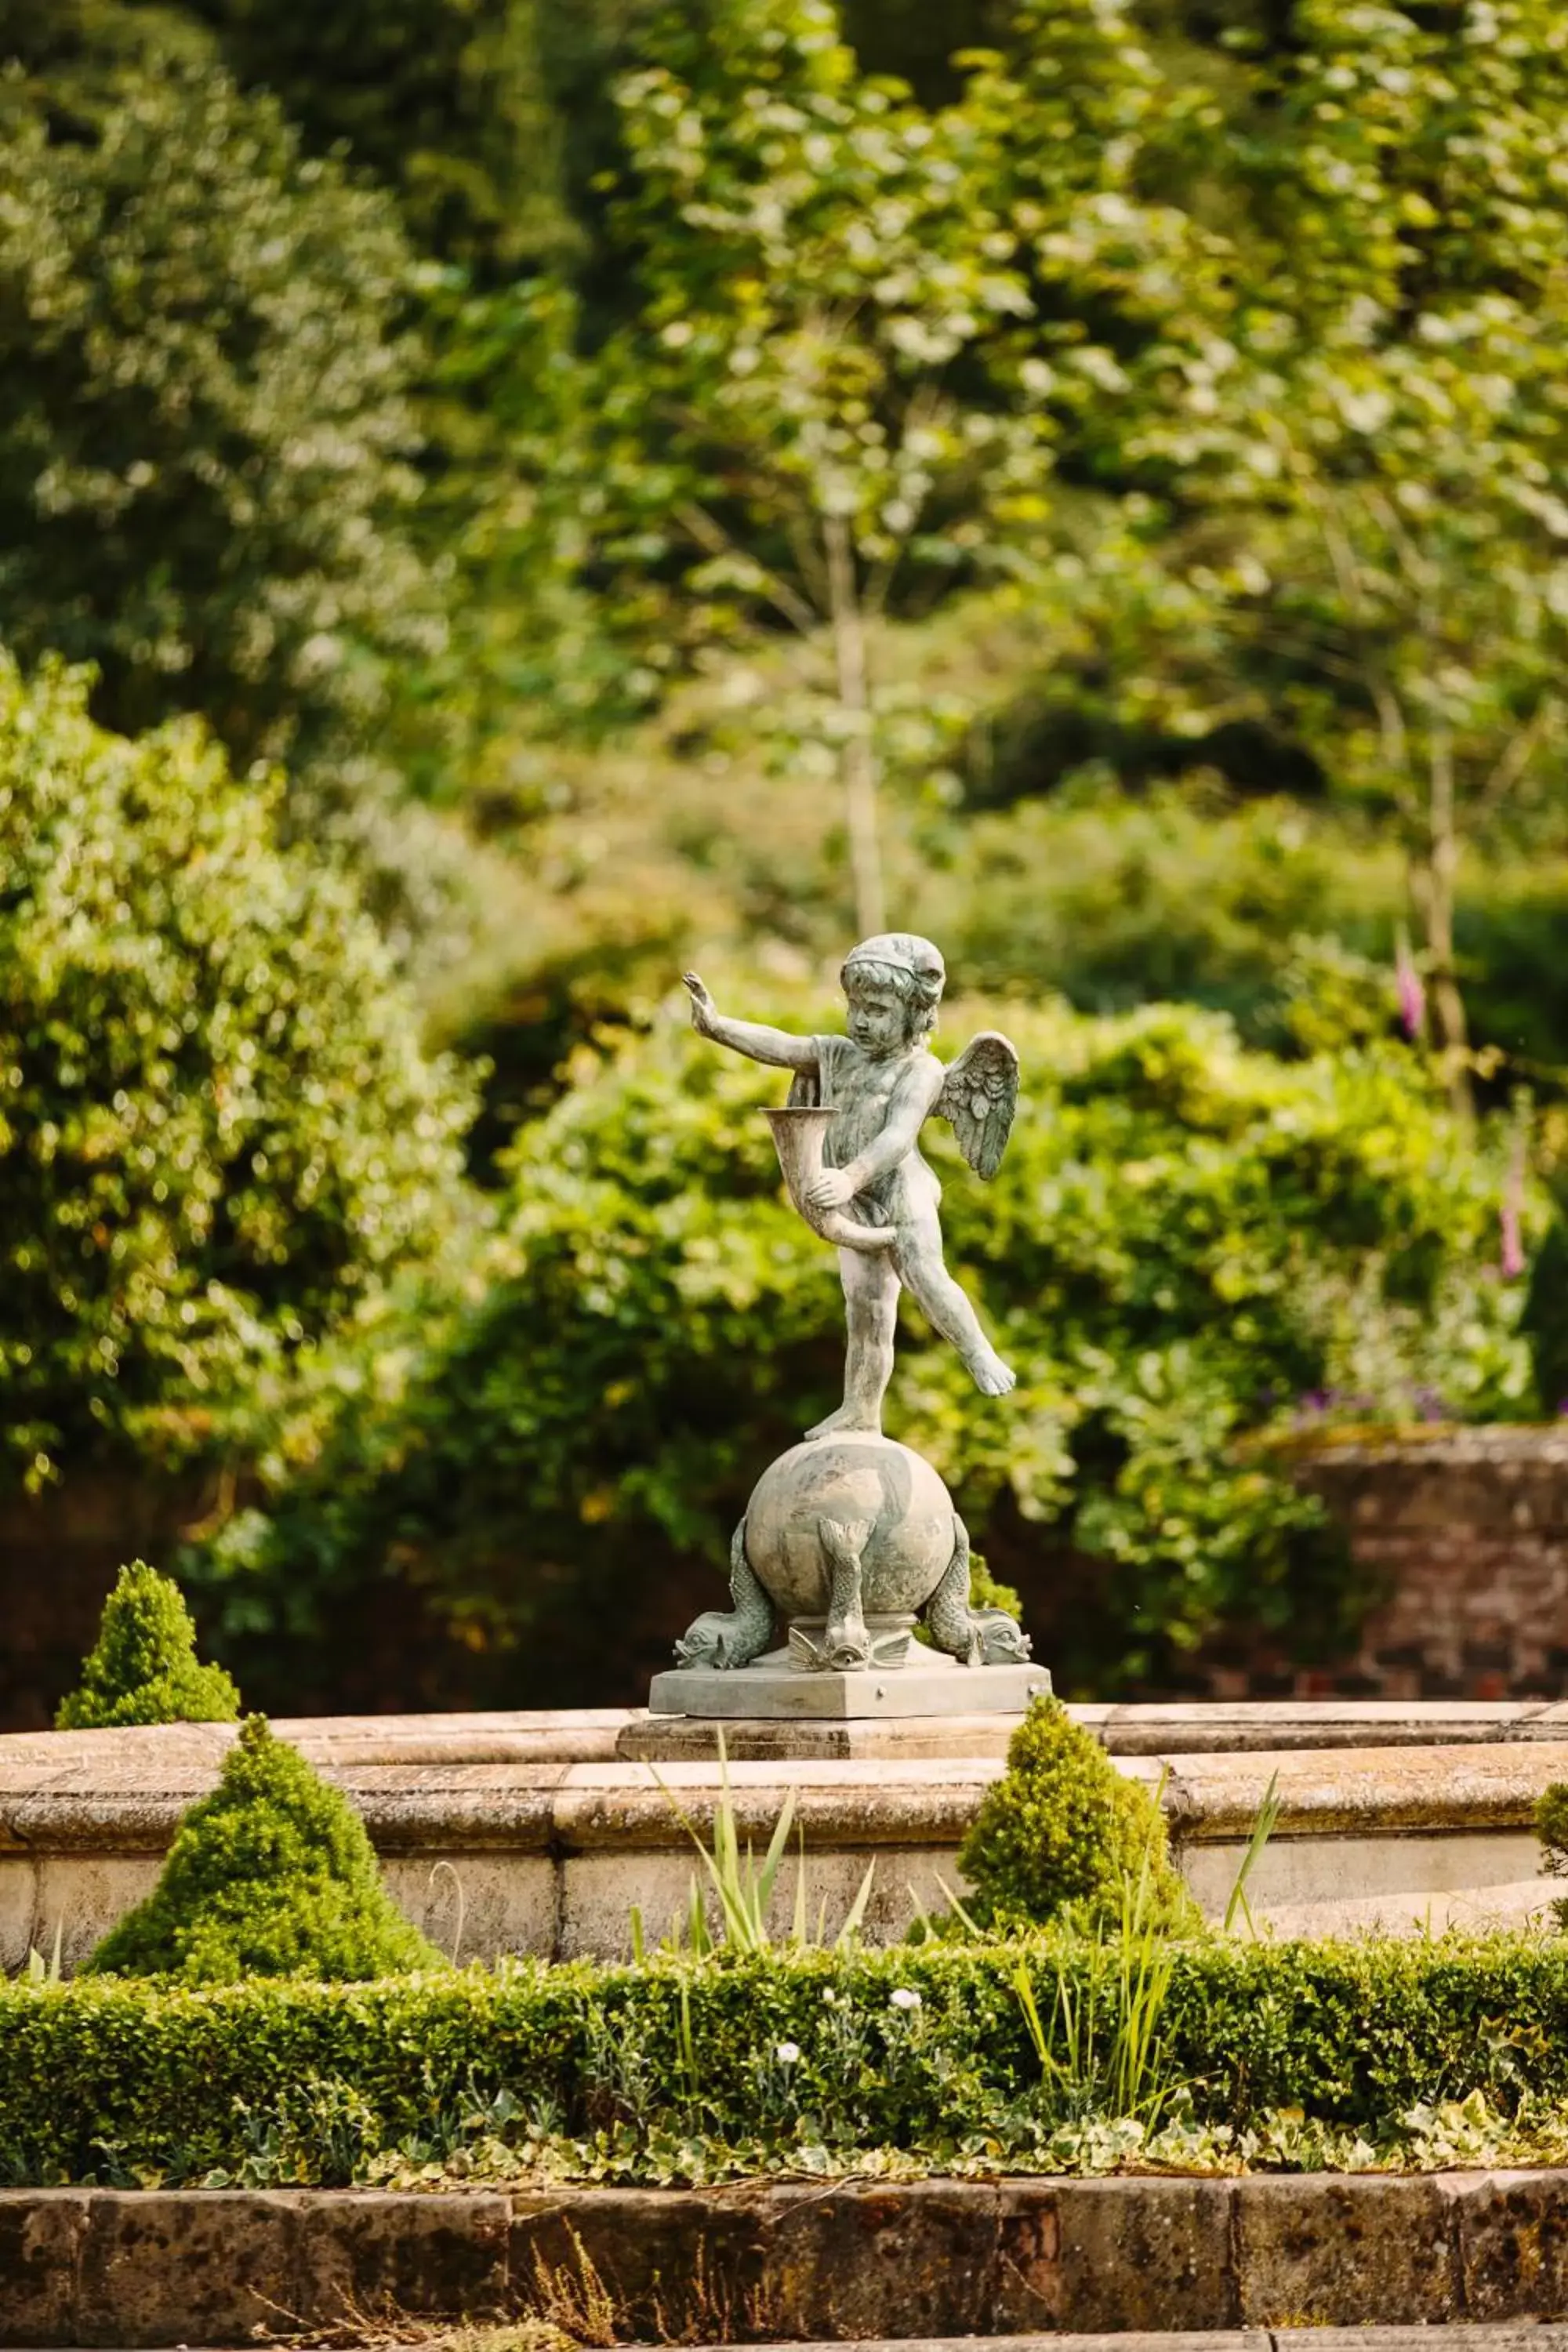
[
  {"x": 1064, "y": 1828},
  {"x": 271, "y": 1875},
  {"x": 144, "y": 1667}
]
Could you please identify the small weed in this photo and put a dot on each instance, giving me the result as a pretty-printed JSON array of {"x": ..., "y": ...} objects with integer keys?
[{"x": 1262, "y": 1831}]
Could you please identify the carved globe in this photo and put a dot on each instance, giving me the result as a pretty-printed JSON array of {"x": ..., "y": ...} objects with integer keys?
[{"x": 898, "y": 1511}]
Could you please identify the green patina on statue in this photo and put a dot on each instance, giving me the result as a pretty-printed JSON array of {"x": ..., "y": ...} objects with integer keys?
[
  {"x": 873, "y": 1192},
  {"x": 849, "y": 1535}
]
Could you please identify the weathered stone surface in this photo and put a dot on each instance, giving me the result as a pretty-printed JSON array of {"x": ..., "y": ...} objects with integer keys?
[
  {"x": 914, "y": 2260},
  {"x": 18, "y": 1910},
  {"x": 910, "y": 1692},
  {"x": 477, "y": 1905},
  {"x": 1364, "y": 1793},
  {"x": 677, "y": 2264},
  {"x": 1345, "y": 2250},
  {"x": 40, "y": 2255},
  {"x": 1176, "y": 1728},
  {"x": 1121, "y": 2266},
  {"x": 550, "y": 1854},
  {"x": 1465, "y": 2338},
  {"x": 1339, "y": 1884},
  {"x": 160, "y": 2268},
  {"x": 1513, "y": 2244},
  {"x": 1162, "y": 2261},
  {"x": 1236, "y": 2339},
  {"x": 375, "y": 2256}
]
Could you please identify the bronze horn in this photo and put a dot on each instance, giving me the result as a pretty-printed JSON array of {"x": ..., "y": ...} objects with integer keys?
[{"x": 799, "y": 1136}]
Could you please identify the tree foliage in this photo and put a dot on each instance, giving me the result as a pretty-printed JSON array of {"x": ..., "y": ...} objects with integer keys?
[
  {"x": 205, "y": 428},
  {"x": 217, "y": 1125},
  {"x": 1366, "y": 410},
  {"x": 444, "y": 101}
]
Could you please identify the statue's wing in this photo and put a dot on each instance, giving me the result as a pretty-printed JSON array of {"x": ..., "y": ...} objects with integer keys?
[{"x": 979, "y": 1095}]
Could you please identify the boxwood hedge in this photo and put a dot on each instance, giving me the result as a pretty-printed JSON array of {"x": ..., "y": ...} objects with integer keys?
[{"x": 923, "y": 2049}]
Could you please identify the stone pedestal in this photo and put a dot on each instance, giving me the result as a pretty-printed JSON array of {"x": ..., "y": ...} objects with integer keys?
[
  {"x": 775, "y": 1688},
  {"x": 848, "y": 1541}
]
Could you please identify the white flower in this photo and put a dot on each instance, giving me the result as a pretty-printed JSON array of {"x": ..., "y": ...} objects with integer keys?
[
  {"x": 830, "y": 1997},
  {"x": 904, "y": 1998},
  {"x": 787, "y": 2054}
]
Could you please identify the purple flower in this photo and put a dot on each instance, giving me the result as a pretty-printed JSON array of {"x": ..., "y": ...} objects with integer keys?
[
  {"x": 1412, "y": 994},
  {"x": 1513, "y": 1259}
]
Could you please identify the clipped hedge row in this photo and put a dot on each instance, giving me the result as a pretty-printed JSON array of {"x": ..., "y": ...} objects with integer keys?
[{"x": 123, "y": 2081}]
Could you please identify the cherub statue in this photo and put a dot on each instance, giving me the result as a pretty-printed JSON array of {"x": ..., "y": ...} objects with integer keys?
[{"x": 882, "y": 1083}]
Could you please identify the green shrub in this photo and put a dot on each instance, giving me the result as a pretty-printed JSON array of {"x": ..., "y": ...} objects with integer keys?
[
  {"x": 271, "y": 1875},
  {"x": 1183, "y": 1240},
  {"x": 1063, "y": 1830},
  {"x": 143, "y": 1667},
  {"x": 218, "y": 1127},
  {"x": 658, "y": 2071}
]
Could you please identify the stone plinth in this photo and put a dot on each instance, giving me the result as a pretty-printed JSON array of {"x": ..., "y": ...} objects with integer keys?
[{"x": 930, "y": 1684}]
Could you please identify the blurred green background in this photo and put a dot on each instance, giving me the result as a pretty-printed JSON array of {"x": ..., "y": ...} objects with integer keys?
[{"x": 500, "y": 501}]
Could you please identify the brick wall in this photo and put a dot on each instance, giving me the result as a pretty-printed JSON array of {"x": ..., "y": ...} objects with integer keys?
[{"x": 1465, "y": 1534}]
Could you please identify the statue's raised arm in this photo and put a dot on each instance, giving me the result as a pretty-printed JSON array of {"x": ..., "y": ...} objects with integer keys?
[{"x": 780, "y": 1047}]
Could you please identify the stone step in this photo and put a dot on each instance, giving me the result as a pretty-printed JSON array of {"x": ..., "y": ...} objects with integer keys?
[{"x": 803, "y": 2262}]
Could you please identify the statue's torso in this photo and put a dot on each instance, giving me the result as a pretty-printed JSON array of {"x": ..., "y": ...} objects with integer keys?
[{"x": 858, "y": 1090}]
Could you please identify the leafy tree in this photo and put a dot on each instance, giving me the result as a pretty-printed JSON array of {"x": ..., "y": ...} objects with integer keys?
[
  {"x": 205, "y": 432},
  {"x": 143, "y": 1667},
  {"x": 1373, "y": 421},
  {"x": 217, "y": 1126},
  {"x": 835, "y": 397},
  {"x": 1183, "y": 1241},
  {"x": 272, "y": 1876},
  {"x": 444, "y": 101}
]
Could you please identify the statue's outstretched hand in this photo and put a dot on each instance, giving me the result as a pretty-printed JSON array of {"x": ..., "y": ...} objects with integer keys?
[{"x": 704, "y": 1012}]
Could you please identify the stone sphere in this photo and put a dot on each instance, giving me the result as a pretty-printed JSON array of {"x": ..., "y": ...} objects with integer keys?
[{"x": 899, "y": 1512}]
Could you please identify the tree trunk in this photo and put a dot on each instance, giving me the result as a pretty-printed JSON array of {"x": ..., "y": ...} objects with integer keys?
[
  {"x": 857, "y": 759},
  {"x": 1433, "y": 884}
]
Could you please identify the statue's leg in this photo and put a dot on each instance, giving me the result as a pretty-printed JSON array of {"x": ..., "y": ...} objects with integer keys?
[
  {"x": 872, "y": 1311},
  {"x": 919, "y": 1259}
]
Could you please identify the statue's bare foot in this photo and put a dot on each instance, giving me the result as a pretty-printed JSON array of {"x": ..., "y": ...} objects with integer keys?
[
  {"x": 851, "y": 1416},
  {"x": 991, "y": 1376}
]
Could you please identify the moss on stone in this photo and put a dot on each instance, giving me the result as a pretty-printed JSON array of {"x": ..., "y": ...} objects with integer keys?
[
  {"x": 1064, "y": 1832},
  {"x": 143, "y": 1667},
  {"x": 271, "y": 1875}
]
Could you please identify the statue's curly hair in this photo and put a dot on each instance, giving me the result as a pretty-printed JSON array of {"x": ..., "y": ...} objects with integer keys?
[{"x": 905, "y": 962}]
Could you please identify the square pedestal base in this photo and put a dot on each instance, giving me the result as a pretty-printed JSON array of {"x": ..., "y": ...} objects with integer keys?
[{"x": 774, "y": 1690}]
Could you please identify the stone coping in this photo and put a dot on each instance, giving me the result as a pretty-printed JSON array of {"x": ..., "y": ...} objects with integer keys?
[
  {"x": 123, "y": 1792},
  {"x": 795, "y": 2260}
]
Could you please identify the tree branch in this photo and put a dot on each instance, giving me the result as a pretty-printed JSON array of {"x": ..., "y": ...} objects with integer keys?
[{"x": 712, "y": 536}]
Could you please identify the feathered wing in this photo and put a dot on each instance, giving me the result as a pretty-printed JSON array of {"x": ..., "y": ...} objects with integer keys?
[{"x": 979, "y": 1095}]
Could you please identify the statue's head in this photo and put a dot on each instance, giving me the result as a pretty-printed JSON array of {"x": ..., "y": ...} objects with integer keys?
[{"x": 894, "y": 968}]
